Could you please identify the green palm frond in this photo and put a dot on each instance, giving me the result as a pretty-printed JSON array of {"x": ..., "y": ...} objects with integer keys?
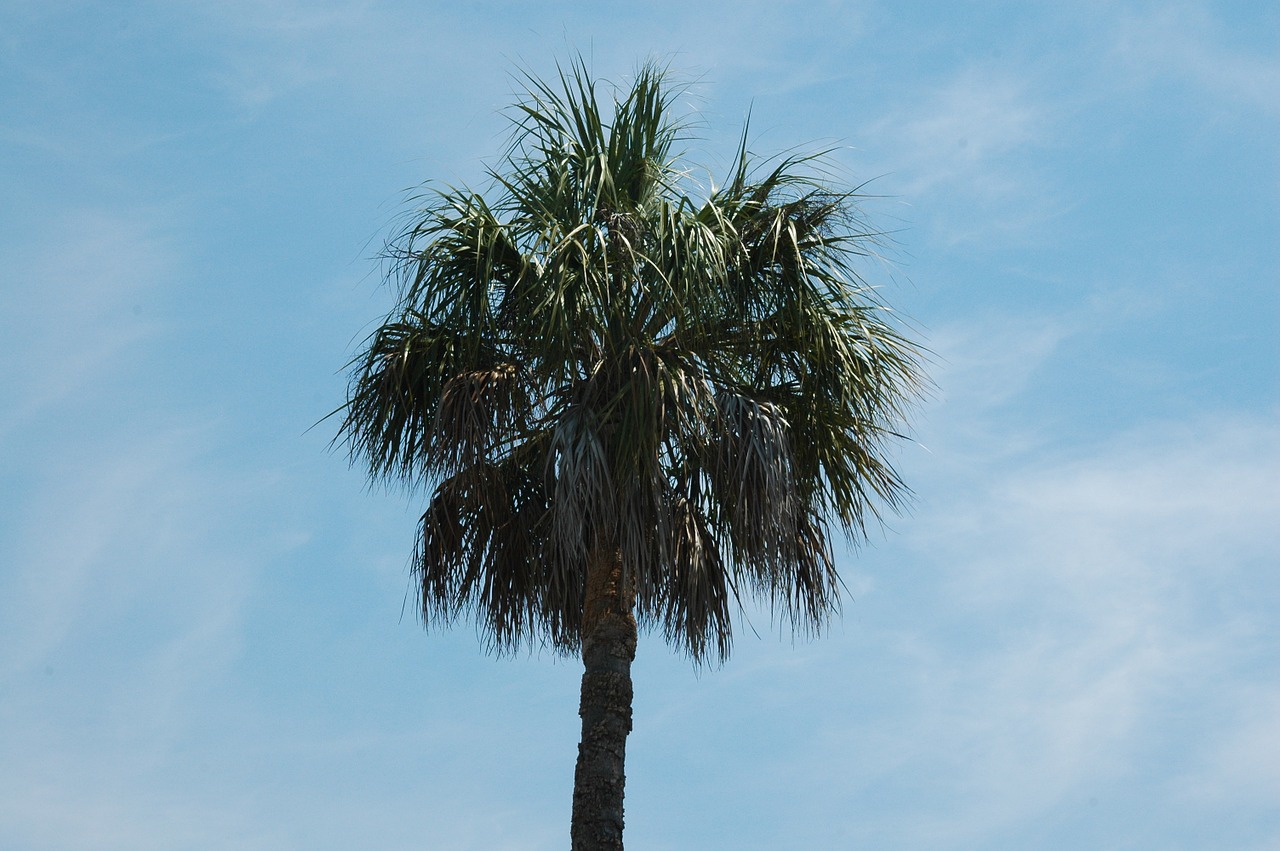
[{"x": 596, "y": 350}]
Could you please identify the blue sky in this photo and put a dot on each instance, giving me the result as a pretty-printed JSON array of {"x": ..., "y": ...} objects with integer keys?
[{"x": 1070, "y": 642}]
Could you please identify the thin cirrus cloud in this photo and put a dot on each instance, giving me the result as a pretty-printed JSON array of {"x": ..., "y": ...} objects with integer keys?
[
  {"x": 963, "y": 132},
  {"x": 970, "y": 153},
  {"x": 1096, "y": 622},
  {"x": 76, "y": 307},
  {"x": 1187, "y": 44},
  {"x": 1084, "y": 616}
]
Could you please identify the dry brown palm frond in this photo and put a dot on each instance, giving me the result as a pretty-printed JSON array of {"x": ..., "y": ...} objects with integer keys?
[{"x": 478, "y": 410}]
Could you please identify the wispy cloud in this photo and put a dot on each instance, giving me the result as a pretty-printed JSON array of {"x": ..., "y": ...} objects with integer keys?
[
  {"x": 127, "y": 575},
  {"x": 81, "y": 297},
  {"x": 966, "y": 133},
  {"x": 969, "y": 148},
  {"x": 1187, "y": 43},
  {"x": 1121, "y": 581},
  {"x": 1089, "y": 616}
]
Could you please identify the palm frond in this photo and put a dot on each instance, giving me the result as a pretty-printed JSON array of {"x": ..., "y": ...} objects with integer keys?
[{"x": 595, "y": 352}]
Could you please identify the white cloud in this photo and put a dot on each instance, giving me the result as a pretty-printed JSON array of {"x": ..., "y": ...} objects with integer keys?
[
  {"x": 1084, "y": 598},
  {"x": 988, "y": 362},
  {"x": 81, "y": 296},
  {"x": 1240, "y": 760},
  {"x": 1185, "y": 42},
  {"x": 132, "y": 562},
  {"x": 964, "y": 135},
  {"x": 1095, "y": 629},
  {"x": 970, "y": 148}
]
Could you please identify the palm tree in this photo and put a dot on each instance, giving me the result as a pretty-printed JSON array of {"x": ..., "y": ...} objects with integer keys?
[{"x": 630, "y": 399}]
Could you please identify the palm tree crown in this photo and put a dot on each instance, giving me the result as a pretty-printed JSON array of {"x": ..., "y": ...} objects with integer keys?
[{"x": 600, "y": 354}]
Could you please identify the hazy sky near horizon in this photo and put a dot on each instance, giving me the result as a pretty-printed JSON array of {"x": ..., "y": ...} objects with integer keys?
[{"x": 1070, "y": 642}]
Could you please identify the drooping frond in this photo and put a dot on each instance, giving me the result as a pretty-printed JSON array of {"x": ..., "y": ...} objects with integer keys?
[{"x": 594, "y": 352}]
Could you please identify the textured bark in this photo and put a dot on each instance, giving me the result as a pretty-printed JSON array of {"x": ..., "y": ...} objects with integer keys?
[{"x": 608, "y": 648}]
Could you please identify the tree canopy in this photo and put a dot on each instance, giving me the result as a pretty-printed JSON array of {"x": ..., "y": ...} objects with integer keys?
[{"x": 607, "y": 348}]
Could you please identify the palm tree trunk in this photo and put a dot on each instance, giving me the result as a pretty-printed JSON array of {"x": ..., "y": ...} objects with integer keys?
[{"x": 608, "y": 648}]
